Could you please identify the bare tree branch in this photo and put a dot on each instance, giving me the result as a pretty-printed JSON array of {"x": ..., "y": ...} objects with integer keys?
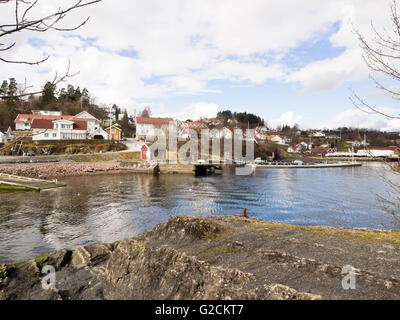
[
  {"x": 41, "y": 24},
  {"x": 382, "y": 56},
  {"x": 23, "y": 22},
  {"x": 56, "y": 80}
]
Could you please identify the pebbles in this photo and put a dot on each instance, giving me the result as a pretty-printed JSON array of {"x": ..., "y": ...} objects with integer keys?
[{"x": 59, "y": 169}]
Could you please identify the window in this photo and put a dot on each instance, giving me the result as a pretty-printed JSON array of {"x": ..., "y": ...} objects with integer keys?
[
  {"x": 54, "y": 135},
  {"x": 46, "y": 135},
  {"x": 63, "y": 126}
]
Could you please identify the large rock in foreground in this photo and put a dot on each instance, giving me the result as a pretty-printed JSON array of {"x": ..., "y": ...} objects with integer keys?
[
  {"x": 135, "y": 271},
  {"x": 217, "y": 258}
]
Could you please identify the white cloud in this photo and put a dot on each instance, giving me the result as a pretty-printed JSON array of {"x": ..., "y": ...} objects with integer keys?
[
  {"x": 358, "y": 119},
  {"x": 287, "y": 118},
  {"x": 330, "y": 73},
  {"x": 196, "y": 111},
  {"x": 183, "y": 45}
]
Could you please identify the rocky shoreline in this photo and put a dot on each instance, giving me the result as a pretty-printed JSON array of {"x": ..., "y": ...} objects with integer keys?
[
  {"x": 66, "y": 169},
  {"x": 59, "y": 170},
  {"x": 224, "y": 257}
]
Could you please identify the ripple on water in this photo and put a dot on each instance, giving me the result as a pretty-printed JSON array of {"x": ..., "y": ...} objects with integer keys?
[{"x": 111, "y": 207}]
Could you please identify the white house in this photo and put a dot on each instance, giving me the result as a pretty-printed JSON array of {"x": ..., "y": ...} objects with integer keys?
[
  {"x": 99, "y": 132},
  {"x": 24, "y": 121},
  {"x": 277, "y": 139},
  {"x": 295, "y": 148},
  {"x": 93, "y": 124},
  {"x": 223, "y": 133},
  {"x": 146, "y": 127},
  {"x": 304, "y": 145},
  {"x": 47, "y": 113},
  {"x": 261, "y": 133},
  {"x": 7, "y": 136},
  {"x": 44, "y": 129},
  {"x": 190, "y": 129},
  {"x": 318, "y": 134}
]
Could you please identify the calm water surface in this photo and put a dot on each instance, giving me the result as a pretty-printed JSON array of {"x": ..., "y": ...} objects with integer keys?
[{"x": 106, "y": 208}]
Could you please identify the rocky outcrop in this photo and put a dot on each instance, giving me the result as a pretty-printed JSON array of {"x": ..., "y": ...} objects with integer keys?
[
  {"x": 132, "y": 270},
  {"x": 135, "y": 271},
  {"x": 184, "y": 228},
  {"x": 213, "y": 258}
]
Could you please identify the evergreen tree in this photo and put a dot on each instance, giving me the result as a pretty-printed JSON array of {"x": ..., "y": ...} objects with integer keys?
[
  {"x": 227, "y": 114},
  {"x": 125, "y": 122},
  {"x": 12, "y": 87},
  {"x": 48, "y": 95},
  {"x": 117, "y": 111},
  {"x": 70, "y": 92},
  {"x": 4, "y": 88},
  {"x": 62, "y": 96},
  {"x": 77, "y": 94},
  {"x": 85, "y": 97}
]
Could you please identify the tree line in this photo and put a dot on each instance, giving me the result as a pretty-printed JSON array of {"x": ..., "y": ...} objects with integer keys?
[
  {"x": 241, "y": 117},
  {"x": 70, "y": 100}
]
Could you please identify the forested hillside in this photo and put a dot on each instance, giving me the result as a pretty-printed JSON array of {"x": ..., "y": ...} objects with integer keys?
[{"x": 70, "y": 100}]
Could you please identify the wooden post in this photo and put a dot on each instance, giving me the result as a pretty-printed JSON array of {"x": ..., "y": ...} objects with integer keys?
[{"x": 244, "y": 213}]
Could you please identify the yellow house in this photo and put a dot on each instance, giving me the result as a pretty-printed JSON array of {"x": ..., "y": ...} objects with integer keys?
[{"x": 115, "y": 132}]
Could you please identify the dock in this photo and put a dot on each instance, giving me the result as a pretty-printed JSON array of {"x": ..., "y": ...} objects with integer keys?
[
  {"x": 11, "y": 182},
  {"x": 207, "y": 169},
  {"x": 281, "y": 165},
  {"x": 140, "y": 167}
]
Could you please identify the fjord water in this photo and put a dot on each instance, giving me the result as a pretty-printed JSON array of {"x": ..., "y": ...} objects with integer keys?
[{"x": 106, "y": 208}]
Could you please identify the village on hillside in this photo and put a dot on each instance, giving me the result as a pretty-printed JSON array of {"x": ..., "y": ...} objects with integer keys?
[{"x": 140, "y": 131}]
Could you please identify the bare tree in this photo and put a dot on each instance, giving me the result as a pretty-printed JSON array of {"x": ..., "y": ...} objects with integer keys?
[
  {"x": 24, "y": 21},
  {"x": 381, "y": 54},
  {"x": 146, "y": 112}
]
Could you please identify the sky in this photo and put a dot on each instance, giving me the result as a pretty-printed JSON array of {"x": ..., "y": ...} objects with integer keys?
[{"x": 289, "y": 61}]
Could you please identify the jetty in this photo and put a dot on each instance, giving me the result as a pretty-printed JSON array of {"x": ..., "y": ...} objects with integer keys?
[
  {"x": 10, "y": 182},
  {"x": 140, "y": 167},
  {"x": 207, "y": 169},
  {"x": 282, "y": 164}
]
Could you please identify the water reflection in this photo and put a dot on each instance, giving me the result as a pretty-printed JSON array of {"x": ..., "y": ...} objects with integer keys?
[{"x": 111, "y": 207}]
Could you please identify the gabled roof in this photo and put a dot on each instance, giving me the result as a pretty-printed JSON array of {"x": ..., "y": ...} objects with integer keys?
[
  {"x": 49, "y": 124},
  {"x": 80, "y": 125},
  {"x": 194, "y": 124},
  {"x": 84, "y": 115},
  {"x": 31, "y": 117},
  {"x": 113, "y": 126},
  {"x": 42, "y": 124},
  {"x": 147, "y": 120}
]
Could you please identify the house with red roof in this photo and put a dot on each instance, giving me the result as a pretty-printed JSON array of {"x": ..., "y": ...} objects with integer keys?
[
  {"x": 146, "y": 127},
  {"x": 277, "y": 139},
  {"x": 190, "y": 129},
  {"x": 39, "y": 121},
  {"x": 24, "y": 121},
  {"x": 63, "y": 129},
  {"x": 322, "y": 151}
]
